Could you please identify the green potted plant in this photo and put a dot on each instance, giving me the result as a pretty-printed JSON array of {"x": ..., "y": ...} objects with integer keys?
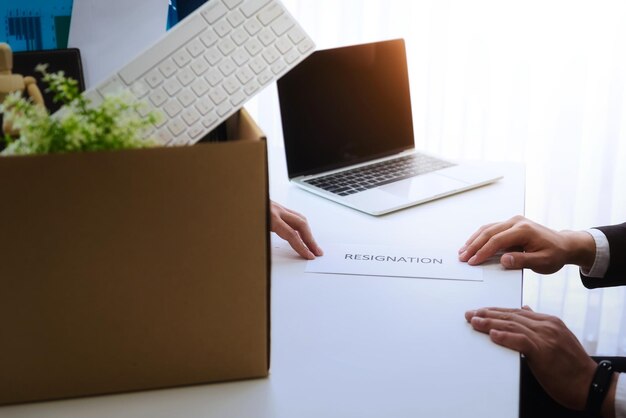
[{"x": 115, "y": 123}]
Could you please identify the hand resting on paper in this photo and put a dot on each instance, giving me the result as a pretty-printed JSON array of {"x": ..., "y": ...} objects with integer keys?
[
  {"x": 539, "y": 248},
  {"x": 294, "y": 228}
]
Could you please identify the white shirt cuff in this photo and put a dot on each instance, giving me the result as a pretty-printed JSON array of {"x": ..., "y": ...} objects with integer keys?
[
  {"x": 620, "y": 397},
  {"x": 603, "y": 255}
]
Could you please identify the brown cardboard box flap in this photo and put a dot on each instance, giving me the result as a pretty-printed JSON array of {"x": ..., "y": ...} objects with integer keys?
[{"x": 133, "y": 270}]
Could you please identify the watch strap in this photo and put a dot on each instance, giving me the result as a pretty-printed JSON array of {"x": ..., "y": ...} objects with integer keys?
[{"x": 599, "y": 388}]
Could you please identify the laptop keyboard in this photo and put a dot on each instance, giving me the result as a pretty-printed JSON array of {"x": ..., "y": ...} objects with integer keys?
[
  {"x": 209, "y": 65},
  {"x": 367, "y": 177}
]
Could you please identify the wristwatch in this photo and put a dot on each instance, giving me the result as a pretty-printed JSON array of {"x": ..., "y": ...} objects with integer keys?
[{"x": 599, "y": 388}]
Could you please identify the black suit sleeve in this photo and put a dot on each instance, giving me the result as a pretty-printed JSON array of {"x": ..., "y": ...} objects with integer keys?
[{"x": 616, "y": 274}]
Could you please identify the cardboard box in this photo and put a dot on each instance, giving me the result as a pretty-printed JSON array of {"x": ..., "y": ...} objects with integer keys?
[{"x": 133, "y": 270}]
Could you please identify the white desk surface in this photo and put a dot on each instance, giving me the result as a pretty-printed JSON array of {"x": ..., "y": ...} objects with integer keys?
[{"x": 361, "y": 346}]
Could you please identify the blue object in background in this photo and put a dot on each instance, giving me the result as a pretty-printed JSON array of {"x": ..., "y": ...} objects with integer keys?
[
  {"x": 33, "y": 25},
  {"x": 180, "y": 9}
]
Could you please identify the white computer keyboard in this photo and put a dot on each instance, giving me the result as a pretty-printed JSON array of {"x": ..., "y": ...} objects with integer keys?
[{"x": 209, "y": 65}]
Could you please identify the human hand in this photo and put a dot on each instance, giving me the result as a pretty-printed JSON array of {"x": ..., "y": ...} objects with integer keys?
[
  {"x": 554, "y": 355},
  {"x": 543, "y": 250},
  {"x": 294, "y": 228}
]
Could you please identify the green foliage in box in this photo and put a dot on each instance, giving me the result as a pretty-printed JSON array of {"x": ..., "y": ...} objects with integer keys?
[{"x": 113, "y": 124}]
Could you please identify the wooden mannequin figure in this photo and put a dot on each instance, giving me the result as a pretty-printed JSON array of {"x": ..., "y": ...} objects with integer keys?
[{"x": 10, "y": 83}]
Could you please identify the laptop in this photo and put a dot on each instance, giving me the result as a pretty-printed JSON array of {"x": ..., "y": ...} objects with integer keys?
[{"x": 348, "y": 132}]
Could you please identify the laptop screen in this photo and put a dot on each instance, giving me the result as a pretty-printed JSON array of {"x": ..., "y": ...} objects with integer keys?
[{"x": 346, "y": 106}]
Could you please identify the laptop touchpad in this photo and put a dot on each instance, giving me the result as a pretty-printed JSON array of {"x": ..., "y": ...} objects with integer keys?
[{"x": 423, "y": 187}]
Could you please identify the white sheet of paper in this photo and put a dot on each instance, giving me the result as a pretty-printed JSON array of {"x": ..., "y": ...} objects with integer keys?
[
  {"x": 111, "y": 33},
  {"x": 425, "y": 263}
]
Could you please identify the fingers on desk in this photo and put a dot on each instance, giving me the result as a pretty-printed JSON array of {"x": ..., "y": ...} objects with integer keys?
[
  {"x": 294, "y": 228},
  {"x": 512, "y": 328}
]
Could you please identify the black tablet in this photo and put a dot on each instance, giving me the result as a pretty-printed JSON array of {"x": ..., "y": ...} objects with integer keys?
[{"x": 67, "y": 60}]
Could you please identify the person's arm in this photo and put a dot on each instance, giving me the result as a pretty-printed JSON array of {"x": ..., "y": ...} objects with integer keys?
[
  {"x": 555, "y": 356},
  {"x": 294, "y": 228},
  {"x": 536, "y": 247},
  {"x": 613, "y": 271}
]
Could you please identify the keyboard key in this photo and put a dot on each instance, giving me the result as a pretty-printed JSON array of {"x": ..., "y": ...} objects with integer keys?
[
  {"x": 139, "y": 89},
  {"x": 282, "y": 25},
  {"x": 244, "y": 75},
  {"x": 267, "y": 37},
  {"x": 195, "y": 48},
  {"x": 173, "y": 108},
  {"x": 200, "y": 66},
  {"x": 236, "y": 19},
  {"x": 168, "y": 68},
  {"x": 258, "y": 65},
  {"x": 250, "y": 7},
  {"x": 265, "y": 77},
  {"x": 231, "y": 85},
  {"x": 186, "y": 98},
  {"x": 161, "y": 118},
  {"x": 195, "y": 131},
  {"x": 172, "y": 86},
  {"x": 296, "y": 35},
  {"x": 284, "y": 45},
  {"x": 215, "y": 11},
  {"x": 176, "y": 127},
  {"x": 179, "y": 141},
  {"x": 149, "y": 132},
  {"x": 204, "y": 105},
  {"x": 231, "y": 4},
  {"x": 182, "y": 58},
  {"x": 223, "y": 28},
  {"x": 227, "y": 46},
  {"x": 158, "y": 97},
  {"x": 305, "y": 46},
  {"x": 217, "y": 95},
  {"x": 238, "y": 98},
  {"x": 270, "y": 13},
  {"x": 209, "y": 38},
  {"x": 252, "y": 26},
  {"x": 186, "y": 76},
  {"x": 253, "y": 47},
  {"x": 271, "y": 55},
  {"x": 278, "y": 67},
  {"x": 209, "y": 120},
  {"x": 224, "y": 109},
  {"x": 213, "y": 56},
  {"x": 200, "y": 87},
  {"x": 292, "y": 56},
  {"x": 240, "y": 36},
  {"x": 227, "y": 67},
  {"x": 144, "y": 108},
  {"x": 164, "y": 136},
  {"x": 191, "y": 116},
  {"x": 154, "y": 78},
  {"x": 251, "y": 88},
  {"x": 241, "y": 57},
  {"x": 214, "y": 77}
]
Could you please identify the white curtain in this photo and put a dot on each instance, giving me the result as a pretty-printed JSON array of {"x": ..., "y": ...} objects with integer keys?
[{"x": 541, "y": 82}]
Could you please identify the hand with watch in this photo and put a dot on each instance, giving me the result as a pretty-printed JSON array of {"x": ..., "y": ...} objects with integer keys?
[
  {"x": 555, "y": 356},
  {"x": 563, "y": 374}
]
